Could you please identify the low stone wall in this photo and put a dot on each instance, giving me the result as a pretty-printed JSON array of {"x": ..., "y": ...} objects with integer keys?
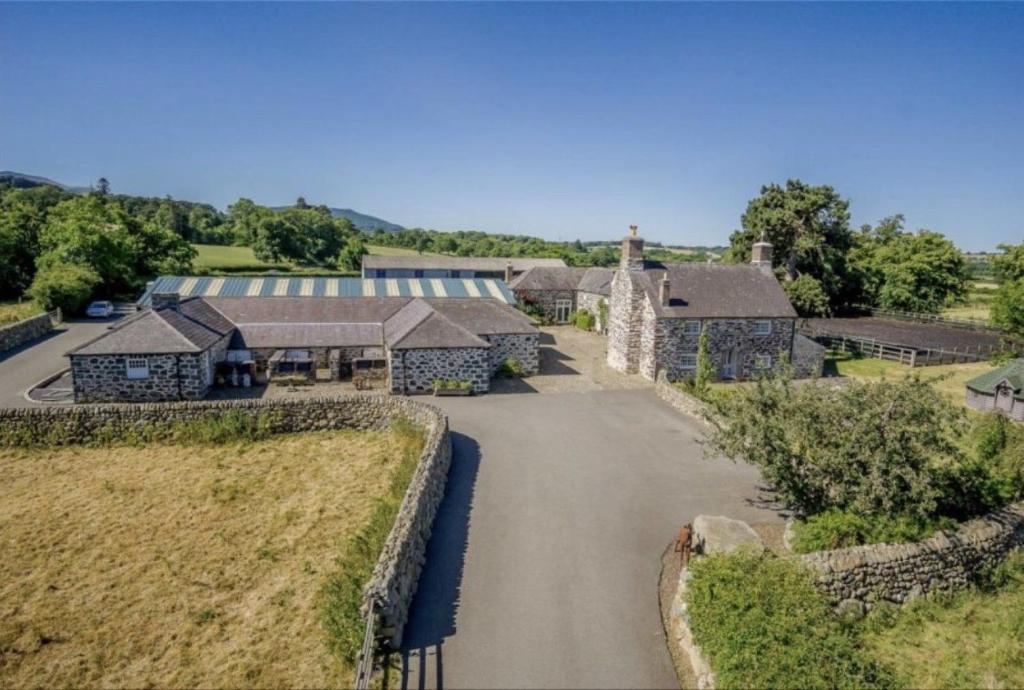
[
  {"x": 808, "y": 357},
  {"x": 897, "y": 573},
  {"x": 393, "y": 584},
  {"x": 683, "y": 402},
  {"x": 17, "y": 334}
]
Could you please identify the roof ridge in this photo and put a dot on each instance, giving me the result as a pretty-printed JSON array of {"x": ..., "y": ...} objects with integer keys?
[{"x": 168, "y": 324}]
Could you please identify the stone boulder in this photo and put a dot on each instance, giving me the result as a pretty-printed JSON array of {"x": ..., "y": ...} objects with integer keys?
[{"x": 718, "y": 534}]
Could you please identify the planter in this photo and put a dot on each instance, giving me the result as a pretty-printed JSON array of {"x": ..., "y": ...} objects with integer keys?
[{"x": 441, "y": 393}]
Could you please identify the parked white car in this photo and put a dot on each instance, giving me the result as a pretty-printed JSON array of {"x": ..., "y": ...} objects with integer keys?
[{"x": 100, "y": 310}]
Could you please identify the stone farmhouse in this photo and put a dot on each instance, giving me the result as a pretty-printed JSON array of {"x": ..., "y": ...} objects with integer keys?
[
  {"x": 1001, "y": 390},
  {"x": 557, "y": 292},
  {"x": 413, "y": 266},
  {"x": 657, "y": 313},
  {"x": 405, "y": 333}
]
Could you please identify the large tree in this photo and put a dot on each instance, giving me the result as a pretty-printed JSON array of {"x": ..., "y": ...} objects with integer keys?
[
  {"x": 809, "y": 227},
  {"x": 919, "y": 271},
  {"x": 1008, "y": 304}
]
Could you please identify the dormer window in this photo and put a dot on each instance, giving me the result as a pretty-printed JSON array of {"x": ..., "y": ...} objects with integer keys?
[{"x": 762, "y": 328}]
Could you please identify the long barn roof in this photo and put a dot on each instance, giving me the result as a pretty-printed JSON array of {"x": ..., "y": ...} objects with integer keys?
[{"x": 273, "y": 286}]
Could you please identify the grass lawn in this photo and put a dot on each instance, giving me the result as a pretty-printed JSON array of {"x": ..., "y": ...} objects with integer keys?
[
  {"x": 971, "y": 640},
  {"x": 11, "y": 312},
  {"x": 976, "y": 306},
  {"x": 214, "y": 257},
  {"x": 183, "y": 566},
  {"x": 948, "y": 379},
  {"x": 378, "y": 250}
]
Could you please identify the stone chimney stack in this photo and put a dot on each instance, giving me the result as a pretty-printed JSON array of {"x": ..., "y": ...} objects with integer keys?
[
  {"x": 508, "y": 272},
  {"x": 632, "y": 258},
  {"x": 762, "y": 255},
  {"x": 666, "y": 290},
  {"x": 165, "y": 300}
]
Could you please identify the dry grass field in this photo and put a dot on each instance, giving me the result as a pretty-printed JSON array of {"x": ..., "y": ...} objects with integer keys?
[{"x": 175, "y": 566}]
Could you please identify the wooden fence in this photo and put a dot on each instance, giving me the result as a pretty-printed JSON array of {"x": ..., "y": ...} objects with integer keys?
[
  {"x": 954, "y": 321},
  {"x": 909, "y": 356}
]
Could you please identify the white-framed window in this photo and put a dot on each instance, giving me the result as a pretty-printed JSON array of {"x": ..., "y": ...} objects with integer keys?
[
  {"x": 763, "y": 361},
  {"x": 762, "y": 328},
  {"x": 691, "y": 327},
  {"x": 688, "y": 360},
  {"x": 137, "y": 368}
]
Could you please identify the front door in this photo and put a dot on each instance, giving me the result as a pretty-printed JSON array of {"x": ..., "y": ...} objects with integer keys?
[
  {"x": 563, "y": 307},
  {"x": 730, "y": 363}
]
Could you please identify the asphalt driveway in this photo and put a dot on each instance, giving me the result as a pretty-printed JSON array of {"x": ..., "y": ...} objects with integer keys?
[
  {"x": 25, "y": 366},
  {"x": 543, "y": 568}
]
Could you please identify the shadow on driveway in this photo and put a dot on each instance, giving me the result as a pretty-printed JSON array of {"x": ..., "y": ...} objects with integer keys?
[{"x": 432, "y": 614}]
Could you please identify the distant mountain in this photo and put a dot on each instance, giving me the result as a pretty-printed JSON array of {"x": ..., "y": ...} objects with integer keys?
[
  {"x": 360, "y": 220},
  {"x": 23, "y": 181}
]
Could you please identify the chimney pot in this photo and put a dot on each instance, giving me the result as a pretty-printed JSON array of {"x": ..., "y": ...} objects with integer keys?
[{"x": 165, "y": 300}]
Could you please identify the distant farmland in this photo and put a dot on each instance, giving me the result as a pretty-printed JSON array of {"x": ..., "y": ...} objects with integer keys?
[{"x": 213, "y": 259}]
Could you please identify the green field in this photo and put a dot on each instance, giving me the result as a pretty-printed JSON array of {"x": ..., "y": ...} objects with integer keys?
[
  {"x": 948, "y": 379},
  {"x": 213, "y": 259},
  {"x": 11, "y": 312},
  {"x": 976, "y": 306}
]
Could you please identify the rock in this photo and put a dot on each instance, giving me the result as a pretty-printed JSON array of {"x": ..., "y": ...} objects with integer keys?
[
  {"x": 851, "y": 608},
  {"x": 717, "y": 534}
]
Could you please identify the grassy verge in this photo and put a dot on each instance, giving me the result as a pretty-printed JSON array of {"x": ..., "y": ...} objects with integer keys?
[
  {"x": 12, "y": 312},
  {"x": 342, "y": 594},
  {"x": 761, "y": 623},
  {"x": 197, "y": 566}
]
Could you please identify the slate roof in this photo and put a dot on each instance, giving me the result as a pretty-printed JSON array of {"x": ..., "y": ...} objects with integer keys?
[
  {"x": 738, "y": 291},
  {"x": 283, "y": 310},
  {"x": 166, "y": 331},
  {"x": 468, "y": 263},
  {"x": 419, "y": 325},
  {"x": 280, "y": 287},
  {"x": 1012, "y": 372},
  {"x": 484, "y": 318},
  {"x": 594, "y": 279},
  {"x": 252, "y": 336}
]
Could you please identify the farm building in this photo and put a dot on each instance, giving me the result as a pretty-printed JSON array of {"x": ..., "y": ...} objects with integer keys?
[
  {"x": 657, "y": 313},
  {"x": 557, "y": 292},
  {"x": 406, "y": 333},
  {"x": 450, "y": 266},
  {"x": 1001, "y": 389}
]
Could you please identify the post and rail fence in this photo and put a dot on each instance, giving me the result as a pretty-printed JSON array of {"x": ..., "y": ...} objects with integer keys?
[{"x": 908, "y": 356}]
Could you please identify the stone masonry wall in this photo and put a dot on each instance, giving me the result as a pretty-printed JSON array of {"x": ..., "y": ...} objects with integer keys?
[
  {"x": 808, "y": 357},
  {"x": 624, "y": 323},
  {"x": 414, "y": 371},
  {"x": 898, "y": 573},
  {"x": 591, "y": 302},
  {"x": 682, "y": 402},
  {"x": 522, "y": 347},
  {"x": 545, "y": 300},
  {"x": 17, "y": 334},
  {"x": 392, "y": 586},
  {"x": 723, "y": 335}
]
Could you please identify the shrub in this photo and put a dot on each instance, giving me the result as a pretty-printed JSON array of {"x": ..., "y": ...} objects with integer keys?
[
  {"x": 583, "y": 320},
  {"x": 510, "y": 368},
  {"x": 807, "y": 296},
  {"x": 838, "y": 529},
  {"x": 231, "y": 426},
  {"x": 452, "y": 385},
  {"x": 871, "y": 448},
  {"x": 64, "y": 286},
  {"x": 763, "y": 624}
]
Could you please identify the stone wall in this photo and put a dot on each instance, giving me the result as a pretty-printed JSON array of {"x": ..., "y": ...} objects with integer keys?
[
  {"x": 592, "y": 303},
  {"x": 414, "y": 371},
  {"x": 808, "y": 357},
  {"x": 683, "y": 402},
  {"x": 624, "y": 323},
  {"x": 671, "y": 341},
  {"x": 545, "y": 300},
  {"x": 393, "y": 584},
  {"x": 17, "y": 334},
  {"x": 897, "y": 573},
  {"x": 522, "y": 347},
  {"x": 104, "y": 378}
]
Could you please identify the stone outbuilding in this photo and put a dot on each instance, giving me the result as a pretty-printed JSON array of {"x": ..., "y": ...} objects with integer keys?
[
  {"x": 174, "y": 348},
  {"x": 558, "y": 292},
  {"x": 657, "y": 313},
  {"x": 1000, "y": 390}
]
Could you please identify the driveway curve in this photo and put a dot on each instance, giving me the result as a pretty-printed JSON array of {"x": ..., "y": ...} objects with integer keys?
[{"x": 543, "y": 568}]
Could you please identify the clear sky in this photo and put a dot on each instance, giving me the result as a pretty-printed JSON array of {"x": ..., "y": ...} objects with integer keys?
[{"x": 564, "y": 121}]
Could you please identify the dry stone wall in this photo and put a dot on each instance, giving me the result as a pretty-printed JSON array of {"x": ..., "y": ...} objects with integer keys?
[
  {"x": 683, "y": 402},
  {"x": 897, "y": 573},
  {"x": 808, "y": 357},
  {"x": 17, "y": 334},
  {"x": 393, "y": 583}
]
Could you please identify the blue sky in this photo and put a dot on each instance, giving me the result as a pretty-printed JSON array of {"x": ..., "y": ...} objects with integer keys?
[{"x": 564, "y": 121}]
